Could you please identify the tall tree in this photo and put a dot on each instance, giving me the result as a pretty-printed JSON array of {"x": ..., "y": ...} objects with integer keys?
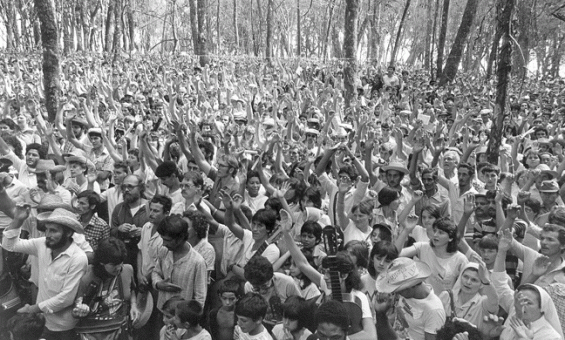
[
  {"x": 268, "y": 41},
  {"x": 503, "y": 17},
  {"x": 456, "y": 53},
  {"x": 49, "y": 38},
  {"x": 235, "y": 28},
  {"x": 398, "y": 34},
  {"x": 441, "y": 38},
  {"x": 349, "y": 49}
]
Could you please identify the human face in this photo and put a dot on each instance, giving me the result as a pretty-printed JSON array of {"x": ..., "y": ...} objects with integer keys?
[
  {"x": 168, "y": 317},
  {"x": 294, "y": 270},
  {"x": 290, "y": 325},
  {"x": 55, "y": 236},
  {"x": 329, "y": 331},
  {"x": 481, "y": 205},
  {"x": 32, "y": 157},
  {"x": 470, "y": 282},
  {"x": 491, "y": 179},
  {"x": 132, "y": 160},
  {"x": 119, "y": 175},
  {"x": 130, "y": 188},
  {"x": 265, "y": 288},
  {"x": 395, "y": 204},
  {"x": 293, "y": 155},
  {"x": 223, "y": 168},
  {"x": 253, "y": 186},
  {"x": 171, "y": 243},
  {"x": 77, "y": 130},
  {"x": 550, "y": 245},
  {"x": 113, "y": 269},
  {"x": 441, "y": 238},
  {"x": 228, "y": 300},
  {"x": 360, "y": 219},
  {"x": 428, "y": 181},
  {"x": 530, "y": 213},
  {"x": 156, "y": 213},
  {"x": 488, "y": 255},
  {"x": 541, "y": 134},
  {"x": 532, "y": 160},
  {"x": 527, "y": 305},
  {"x": 248, "y": 325},
  {"x": 548, "y": 198},
  {"x": 308, "y": 240},
  {"x": 376, "y": 235},
  {"x": 6, "y": 128},
  {"x": 76, "y": 169},
  {"x": 192, "y": 167},
  {"x": 380, "y": 263},
  {"x": 188, "y": 189},
  {"x": 427, "y": 220},
  {"x": 449, "y": 162},
  {"x": 259, "y": 231},
  {"x": 464, "y": 177},
  {"x": 96, "y": 141},
  {"x": 167, "y": 181},
  {"x": 393, "y": 178},
  {"x": 82, "y": 206}
]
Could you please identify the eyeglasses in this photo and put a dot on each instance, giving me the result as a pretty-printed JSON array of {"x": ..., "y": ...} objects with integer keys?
[
  {"x": 264, "y": 287},
  {"x": 128, "y": 187}
]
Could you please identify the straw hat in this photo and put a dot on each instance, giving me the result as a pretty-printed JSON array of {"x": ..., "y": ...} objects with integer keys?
[
  {"x": 545, "y": 169},
  {"x": 51, "y": 202},
  {"x": 145, "y": 307},
  {"x": 62, "y": 217},
  {"x": 400, "y": 274},
  {"x": 44, "y": 165},
  {"x": 396, "y": 166}
]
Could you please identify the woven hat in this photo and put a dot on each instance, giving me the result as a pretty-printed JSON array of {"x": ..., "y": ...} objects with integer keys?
[
  {"x": 51, "y": 202},
  {"x": 81, "y": 160},
  {"x": 62, "y": 217},
  {"x": 545, "y": 169},
  {"x": 44, "y": 165},
  {"x": 400, "y": 274},
  {"x": 396, "y": 166},
  {"x": 549, "y": 186},
  {"x": 145, "y": 307}
]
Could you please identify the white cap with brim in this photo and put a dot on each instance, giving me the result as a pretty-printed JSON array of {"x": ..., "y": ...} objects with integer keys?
[
  {"x": 396, "y": 166},
  {"x": 62, "y": 217},
  {"x": 400, "y": 274}
]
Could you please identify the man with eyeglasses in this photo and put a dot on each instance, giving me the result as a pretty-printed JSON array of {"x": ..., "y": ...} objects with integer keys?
[{"x": 130, "y": 215}]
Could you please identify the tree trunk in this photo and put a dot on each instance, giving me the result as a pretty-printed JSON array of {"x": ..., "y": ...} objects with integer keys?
[
  {"x": 398, "y": 34},
  {"x": 235, "y": 28},
  {"x": 173, "y": 25},
  {"x": 504, "y": 15},
  {"x": 108, "y": 31},
  {"x": 51, "y": 69},
  {"x": 350, "y": 49},
  {"x": 298, "y": 31},
  {"x": 219, "y": 40},
  {"x": 427, "y": 55},
  {"x": 79, "y": 20},
  {"x": 493, "y": 52},
  {"x": 118, "y": 29},
  {"x": 131, "y": 26},
  {"x": 327, "y": 37},
  {"x": 441, "y": 39},
  {"x": 521, "y": 56},
  {"x": 194, "y": 26},
  {"x": 454, "y": 58},
  {"x": 433, "y": 44},
  {"x": 202, "y": 19},
  {"x": 268, "y": 40}
]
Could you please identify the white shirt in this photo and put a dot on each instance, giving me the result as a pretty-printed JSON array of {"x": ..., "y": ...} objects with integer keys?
[{"x": 422, "y": 315}]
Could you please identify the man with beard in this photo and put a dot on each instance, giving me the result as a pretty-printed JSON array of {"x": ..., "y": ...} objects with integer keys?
[
  {"x": 26, "y": 170},
  {"x": 188, "y": 279},
  {"x": 394, "y": 174},
  {"x": 61, "y": 266},
  {"x": 129, "y": 216},
  {"x": 427, "y": 184}
]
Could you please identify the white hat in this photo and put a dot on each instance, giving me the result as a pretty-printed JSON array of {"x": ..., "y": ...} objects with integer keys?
[{"x": 400, "y": 274}]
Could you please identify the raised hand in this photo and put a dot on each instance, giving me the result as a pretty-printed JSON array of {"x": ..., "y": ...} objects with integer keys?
[
  {"x": 382, "y": 302},
  {"x": 512, "y": 211},
  {"x": 505, "y": 240},
  {"x": 492, "y": 326},
  {"x": 237, "y": 199},
  {"x": 469, "y": 204},
  {"x": 541, "y": 265},
  {"x": 279, "y": 193},
  {"x": 411, "y": 222},
  {"x": 22, "y": 212},
  {"x": 520, "y": 329},
  {"x": 523, "y": 196},
  {"x": 418, "y": 194},
  {"x": 286, "y": 220}
]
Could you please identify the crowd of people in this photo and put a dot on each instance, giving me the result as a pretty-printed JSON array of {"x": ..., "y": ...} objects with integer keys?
[{"x": 243, "y": 201}]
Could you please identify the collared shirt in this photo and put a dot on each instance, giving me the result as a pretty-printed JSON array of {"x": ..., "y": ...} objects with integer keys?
[
  {"x": 59, "y": 277},
  {"x": 188, "y": 272},
  {"x": 439, "y": 200},
  {"x": 458, "y": 204},
  {"x": 352, "y": 197},
  {"x": 149, "y": 245},
  {"x": 96, "y": 230},
  {"x": 529, "y": 256},
  {"x": 207, "y": 251}
]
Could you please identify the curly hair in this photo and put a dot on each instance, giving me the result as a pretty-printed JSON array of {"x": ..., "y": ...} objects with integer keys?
[
  {"x": 258, "y": 271},
  {"x": 199, "y": 222}
]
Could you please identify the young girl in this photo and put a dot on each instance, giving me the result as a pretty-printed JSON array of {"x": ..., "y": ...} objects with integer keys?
[
  {"x": 307, "y": 288},
  {"x": 425, "y": 232},
  {"x": 295, "y": 313},
  {"x": 169, "y": 310},
  {"x": 188, "y": 316}
]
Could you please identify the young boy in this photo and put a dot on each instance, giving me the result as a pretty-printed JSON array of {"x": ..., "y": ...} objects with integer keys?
[
  {"x": 222, "y": 320},
  {"x": 295, "y": 316},
  {"x": 169, "y": 311},
  {"x": 188, "y": 316},
  {"x": 250, "y": 311},
  {"x": 311, "y": 237}
]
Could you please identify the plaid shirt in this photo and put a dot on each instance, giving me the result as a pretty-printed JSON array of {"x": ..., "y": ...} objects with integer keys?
[{"x": 95, "y": 231}]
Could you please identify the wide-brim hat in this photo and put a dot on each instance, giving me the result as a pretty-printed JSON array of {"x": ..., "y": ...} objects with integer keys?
[
  {"x": 545, "y": 169},
  {"x": 400, "y": 274},
  {"x": 396, "y": 166},
  {"x": 95, "y": 131},
  {"x": 312, "y": 132},
  {"x": 81, "y": 160},
  {"x": 51, "y": 202},
  {"x": 79, "y": 121},
  {"x": 145, "y": 307},
  {"x": 63, "y": 217},
  {"x": 549, "y": 186},
  {"x": 44, "y": 165}
]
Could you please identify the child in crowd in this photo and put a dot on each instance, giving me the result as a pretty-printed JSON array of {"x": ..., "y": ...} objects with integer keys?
[
  {"x": 169, "y": 312},
  {"x": 250, "y": 312},
  {"x": 307, "y": 287},
  {"x": 311, "y": 237},
  {"x": 26, "y": 326},
  {"x": 188, "y": 316},
  {"x": 295, "y": 314},
  {"x": 222, "y": 319}
]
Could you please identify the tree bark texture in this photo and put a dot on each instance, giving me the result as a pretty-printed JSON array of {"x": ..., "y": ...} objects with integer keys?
[
  {"x": 350, "y": 49},
  {"x": 504, "y": 66},
  {"x": 399, "y": 33},
  {"x": 454, "y": 58},
  {"x": 441, "y": 38},
  {"x": 269, "y": 39},
  {"x": 51, "y": 69}
]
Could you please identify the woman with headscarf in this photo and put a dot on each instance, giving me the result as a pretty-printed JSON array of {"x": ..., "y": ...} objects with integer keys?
[
  {"x": 531, "y": 312},
  {"x": 472, "y": 296}
]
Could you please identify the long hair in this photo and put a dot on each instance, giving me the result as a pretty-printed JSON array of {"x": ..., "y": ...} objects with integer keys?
[
  {"x": 449, "y": 227},
  {"x": 346, "y": 266}
]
